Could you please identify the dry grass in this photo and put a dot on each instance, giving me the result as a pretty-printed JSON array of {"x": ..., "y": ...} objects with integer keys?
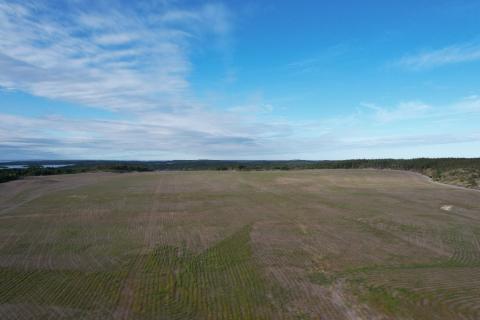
[{"x": 326, "y": 244}]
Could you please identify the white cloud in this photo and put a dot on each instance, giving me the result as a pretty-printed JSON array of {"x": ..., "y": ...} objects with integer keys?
[
  {"x": 116, "y": 39},
  {"x": 138, "y": 62},
  {"x": 212, "y": 16},
  {"x": 205, "y": 134},
  {"x": 457, "y": 53},
  {"x": 156, "y": 135},
  {"x": 416, "y": 110},
  {"x": 468, "y": 104},
  {"x": 403, "y": 111},
  {"x": 118, "y": 60},
  {"x": 253, "y": 109}
]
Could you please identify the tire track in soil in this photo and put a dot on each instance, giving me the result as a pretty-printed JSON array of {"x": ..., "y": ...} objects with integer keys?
[
  {"x": 124, "y": 309},
  {"x": 323, "y": 303}
]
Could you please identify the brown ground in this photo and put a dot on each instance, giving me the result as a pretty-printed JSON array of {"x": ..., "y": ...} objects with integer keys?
[{"x": 318, "y": 244}]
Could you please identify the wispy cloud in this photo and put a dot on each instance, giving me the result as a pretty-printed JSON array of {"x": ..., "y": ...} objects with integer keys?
[
  {"x": 116, "y": 59},
  {"x": 403, "y": 111},
  {"x": 315, "y": 63},
  {"x": 462, "y": 109},
  {"x": 468, "y": 104},
  {"x": 154, "y": 135},
  {"x": 458, "y": 53},
  {"x": 410, "y": 140},
  {"x": 135, "y": 60},
  {"x": 418, "y": 110},
  {"x": 236, "y": 134}
]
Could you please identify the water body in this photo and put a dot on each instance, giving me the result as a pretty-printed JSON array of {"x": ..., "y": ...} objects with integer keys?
[{"x": 23, "y": 166}]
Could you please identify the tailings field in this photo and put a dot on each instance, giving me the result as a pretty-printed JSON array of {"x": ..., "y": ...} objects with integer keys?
[{"x": 319, "y": 244}]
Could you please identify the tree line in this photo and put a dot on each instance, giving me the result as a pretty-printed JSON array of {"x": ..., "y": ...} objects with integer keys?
[{"x": 433, "y": 167}]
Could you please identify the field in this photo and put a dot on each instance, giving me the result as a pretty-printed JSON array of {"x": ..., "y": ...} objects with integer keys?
[{"x": 311, "y": 244}]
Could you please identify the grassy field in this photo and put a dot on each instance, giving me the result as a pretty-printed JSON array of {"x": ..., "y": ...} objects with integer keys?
[{"x": 313, "y": 244}]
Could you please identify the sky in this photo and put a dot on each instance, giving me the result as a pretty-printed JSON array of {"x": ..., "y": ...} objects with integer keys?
[{"x": 163, "y": 80}]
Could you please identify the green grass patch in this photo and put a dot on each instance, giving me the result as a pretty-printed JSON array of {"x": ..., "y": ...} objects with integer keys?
[
  {"x": 223, "y": 280},
  {"x": 382, "y": 299},
  {"x": 391, "y": 301},
  {"x": 74, "y": 289},
  {"x": 320, "y": 278}
]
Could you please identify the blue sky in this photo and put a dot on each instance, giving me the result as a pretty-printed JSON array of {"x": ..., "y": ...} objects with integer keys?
[{"x": 239, "y": 79}]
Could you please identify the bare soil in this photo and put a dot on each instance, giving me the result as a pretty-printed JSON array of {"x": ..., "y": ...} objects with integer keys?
[{"x": 312, "y": 244}]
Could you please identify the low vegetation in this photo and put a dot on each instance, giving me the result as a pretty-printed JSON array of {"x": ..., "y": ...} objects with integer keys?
[{"x": 297, "y": 244}]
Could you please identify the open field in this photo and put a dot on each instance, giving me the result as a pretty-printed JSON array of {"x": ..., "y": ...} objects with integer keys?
[{"x": 312, "y": 244}]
